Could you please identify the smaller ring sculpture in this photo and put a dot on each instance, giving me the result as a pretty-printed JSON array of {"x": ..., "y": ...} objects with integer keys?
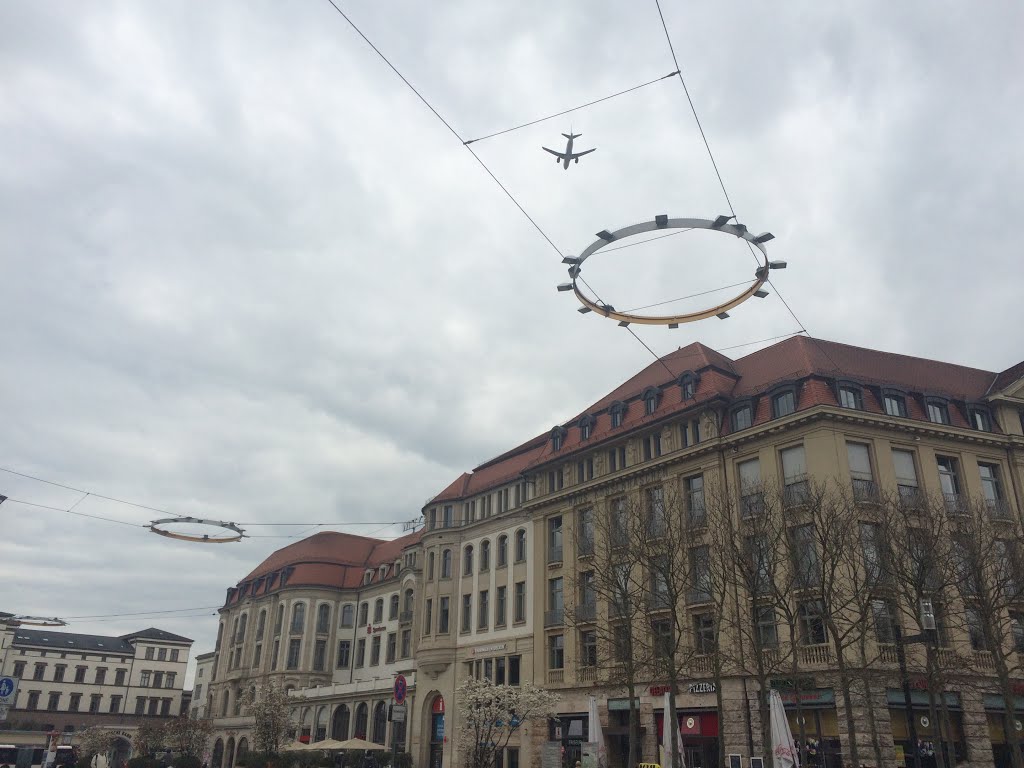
[
  {"x": 236, "y": 533},
  {"x": 37, "y": 621},
  {"x": 720, "y": 224}
]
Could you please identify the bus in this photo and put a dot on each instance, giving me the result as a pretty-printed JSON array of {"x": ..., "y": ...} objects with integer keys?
[{"x": 16, "y": 756}]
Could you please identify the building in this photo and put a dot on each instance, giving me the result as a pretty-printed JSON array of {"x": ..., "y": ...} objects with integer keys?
[
  {"x": 70, "y": 681},
  {"x": 509, "y": 547},
  {"x": 329, "y": 619},
  {"x": 204, "y": 675}
]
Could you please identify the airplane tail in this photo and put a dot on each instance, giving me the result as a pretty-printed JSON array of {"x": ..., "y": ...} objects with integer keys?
[{"x": 572, "y": 135}]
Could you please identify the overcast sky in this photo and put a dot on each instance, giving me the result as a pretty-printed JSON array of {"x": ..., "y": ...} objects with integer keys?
[{"x": 247, "y": 275}]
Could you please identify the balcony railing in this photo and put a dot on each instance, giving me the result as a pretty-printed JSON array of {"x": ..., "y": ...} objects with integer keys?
[
  {"x": 554, "y": 553},
  {"x": 585, "y": 546},
  {"x": 865, "y": 491},
  {"x": 752, "y": 504},
  {"x": 657, "y": 601},
  {"x": 796, "y": 494},
  {"x": 998, "y": 509},
  {"x": 984, "y": 660},
  {"x": 771, "y": 657},
  {"x": 696, "y": 596},
  {"x": 556, "y": 675},
  {"x": 405, "y": 617},
  {"x": 586, "y": 612},
  {"x": 948, "y": 658},
  {"x": 554, "y": 617},
  {"x": 820, "y": 655},
  {"x": 954, "y": 503},
  {"x": 910, "y": 496},
  {"x": 587, "y": 674},
  {"x": 701, "y": 665},
  {"x": 697, "y": 516},
  {"x": 617, "y": 609},
  {"x": 888, "y": 654}
]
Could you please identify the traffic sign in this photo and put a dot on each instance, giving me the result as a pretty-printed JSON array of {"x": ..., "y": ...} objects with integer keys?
[
  {"x": 398, "y": 713},
  {"x": 400, "y": 689},
  {"x": 8, "y": 688}
]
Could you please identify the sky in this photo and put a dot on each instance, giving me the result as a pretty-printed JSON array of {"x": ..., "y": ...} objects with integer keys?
[{"x": 248, "y": 276}]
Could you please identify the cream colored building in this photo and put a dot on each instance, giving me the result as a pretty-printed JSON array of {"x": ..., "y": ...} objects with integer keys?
[{"x": 199, "y": 708}]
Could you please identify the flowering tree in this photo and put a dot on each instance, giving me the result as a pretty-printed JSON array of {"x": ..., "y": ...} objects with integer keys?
[
  {"x": 94, "y": 741},
  {"x": 271, "y": 708},
  {"x": 491, "y": 714},
  {"x": 187, "y": 736}
]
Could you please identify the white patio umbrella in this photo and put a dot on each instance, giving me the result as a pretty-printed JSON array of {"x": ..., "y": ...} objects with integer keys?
[
  {"x": 666, "y": 730},
  {"x": 595, "y": 736},
  {"x": 784, "y": 751}
]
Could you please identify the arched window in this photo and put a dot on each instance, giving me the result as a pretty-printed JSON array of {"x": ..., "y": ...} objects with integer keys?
[
  {"x": 617, "y": 412},
  {"x": 520, "y": 545},
  {"x": 225, "y": 702},
  {"x": 407, "y": 607},
  {"x": 688, "y": 384},
  {"x": 364, "y": 613},
  {"x": 380, "y": 723},
  {"x": 234, "y": 631},
  {"x": 378, "y": 610},
  {"x": 339, "y": 724},
  {"x": 220, "y": 633},
  {"x": 586, "y": 427},
  {"x": 243, "y": 747},
  {"x": 467, "y": 560},
  {"x": 485, "y": 555},
  {"x": 218, "y": 753},
  {"x": 557, "y": 438},
  {"x": 298, "y": 617},
  {"x": 242, "y": 621},
  {"x": 280, "y": 620},
  {"x": 502, "y": 551},
  {"x": 238, "y": 702},
  {"x": 261, "y": 624},
  {"x": 393, "y": 607},
  {"x": 446, "y": 564},
  {"x": 362, "y": 716},
  {"x": 323, "y": 618},
  {"x": 348, "y": 615},
  {"x": 651, "y": 397},
  {"x": 430, "y": 566}
]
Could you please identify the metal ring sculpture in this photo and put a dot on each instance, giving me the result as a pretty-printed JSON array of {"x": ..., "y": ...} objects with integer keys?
[
  {"x": 236, "y": 532},
  {"x": 660, "y": 222},
  {"x": 37, "y": 621}
]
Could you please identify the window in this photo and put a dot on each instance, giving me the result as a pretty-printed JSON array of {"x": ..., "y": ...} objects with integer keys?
[
  {"x": 693, "y": 491},
  {"x": 53, "y": 702},
  {"x": 430, "y": 566},
  {"x": 975, "y": 629},
  {"x": 378, "y": 610},
  {"x": 257, "y": 655},
  {"x": 617, "y": 458},
  {"x": 115, "y": 704},
  {"x": 652, "y": 446},
  {"x": 885, "y": 628},
  {"x": 58, "y": 673},
  {"x": 428, "y": 616},
  {"x": 661, "y": 637},
  {"x": 807, "y": 568},
  {"x": 751, "y": 498},
  {"x": 375, "y": 651},
  {"x": 555, "y": 539},
  {"x": 294, "y": 646},
  {"x": 871, "y": 546},
  {"x": 759, "y": 565},
  {"x": 585, "y": 532},
  {"x": 348, "y": 615},
  {"x": 586, "y": 427},
  {"x": 278, "y": 623},
  {"x": 19, "y": 669},
  {"x": 408, "y": 605},
  {"x": 448, "y": 516},
  {"x": 850, "y": 397},
  {"x": 861, "y": 477},
  {"x": 79, "y": 674},
  {"x": 949, "y": 481},
  {"x": 467, "y": 561},
  {"x": 101, "y": 675},
  {"x": 520, "y": 598},
  {"x": 298, "y": 617},
  {"x": 361, "y": 652},
  {"x": 362, "y": 718},
  {"x": 443, "y": 613},
  {"x": 33, "y": 700},
  {"x": 320, "y": 656},
  {"x": 783, "y": 404},
  {"x": 140, "y": 705},
  {"x": 980, "y": 419},
  {"x": 741, "y": 418},
  {"x": 483, "y": 610},
  {"x": 704, "y": 633},
  {"x": 556, "y": 652},
  {"x": 406, "y": 643},
  {"x": 556, "y": 480},
  {"x": 794, "y": 476},
  {"x": 991, "y": 489},
  {"x": 812, "y": 624},
  {"x": 261, "y": 625},
  {"x": 323, "y": 618},
  {"x": 700, "y": 573},
  {"x": 344, "y": 654},
  {"x": 40, "y": 670},
  {"x": 655, "y": 509},
  {"x": 895, "y": 404},
  {"x": 119, "y": 677},
  {"x": 557, "y": 438},
  {"x": 485, "y": 555},
  {"x": 906, "y": 474},
  {"x": 467, "y": 612},
  {"x": 588, "y": 648},
  {"x": 392, "y": 648},
  {"x": 277, "y": 652},
  {"x": 618, "y": 413},
  {"x": 938, "y": 411},
  {"x": 621, "y": 645},
  {"x": 502, "y": 551},
  {"x": 556, "y": 604},
  {"x": 585, "y": 469},
  {"x": 364, "y": 614},
  {"x": 688, "y": 385},
  {"x": 144, "y": 678},
  {"x": 651, "y": 397},
  {"x": 149, "y": 654},
  {"x": 767, "y": 628},
  {"x": 1017, "y": 627},
  {"x": 393, "y": 608},
  {"x": 500, "y": 607},
  {"x": 446, "y": 564},
  {"x": 94, "y": 702},
  {"x": 618, "y": 522}
]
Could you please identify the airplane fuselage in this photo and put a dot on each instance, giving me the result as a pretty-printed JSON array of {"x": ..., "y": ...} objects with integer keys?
[{"x": 568, "y": 154}]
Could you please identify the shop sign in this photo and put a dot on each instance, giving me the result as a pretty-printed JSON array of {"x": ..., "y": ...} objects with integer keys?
[
  {"x": 702, "y": 688},
  {"x": 659, "y": 690},
  {"x": 621, "y": 705},
  {"x": 374, "y": 630},
  {"x": 819, "y": 697},
  {"x": 487, "y": 649},
  {"x": 894, "y": 697},
  {"x": 791, "y": 683},
  {"x": 995, "y": 702}
]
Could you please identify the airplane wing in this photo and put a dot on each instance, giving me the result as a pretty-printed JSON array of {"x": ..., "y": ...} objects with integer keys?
[
  {"x": 574, "y": 155},
  {"x": 559, "y": 155}
]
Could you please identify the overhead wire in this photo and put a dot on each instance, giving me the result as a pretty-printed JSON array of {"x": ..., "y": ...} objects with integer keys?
[{"x": 572, "y": 109}]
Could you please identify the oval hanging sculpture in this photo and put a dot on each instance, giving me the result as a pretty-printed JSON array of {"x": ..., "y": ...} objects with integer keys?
[
  {"x": 37, "y": 621},
  {"x": 661, "y": 222},
  {"x": 235, "y": 532}
]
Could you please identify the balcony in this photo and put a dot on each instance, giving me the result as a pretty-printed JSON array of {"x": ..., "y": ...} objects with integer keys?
[
  {"x": 658, "y": 601},
  {"x": 696, "y": 517},
  {"x": 697, "y": 596},
  {"x": 998, "y": 509},
  {"x": 954, "y": 504},
  {"x": 948, "y": 659},
  {"x": 405, "y": 617},
  {"x": 554, "y": 554},
  {"x": 554, "y": 617},
  {"x": 752, "y": 504},
  {"x": 796, "y": 494},
  {"x": 816, "y": 655},
  {"x": 587, "y": 674},
  {"x": 617, "y": 610},
  {"x": 771, "y": 657},
  {"x": 984, "y": 660},
  {"x": 556, "y": 676},
  {"x": 585, "y": 546},
  {"x": 586, "y": 612},
  {"x": 910, "y": 496},
  {"x": 701, "y": 665},
  {"x": 888, "y": 654},
  {"x": 865, "y": 491}
]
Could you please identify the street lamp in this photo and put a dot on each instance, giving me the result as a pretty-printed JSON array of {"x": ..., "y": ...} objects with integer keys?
[{"x": 927, "y": 618}]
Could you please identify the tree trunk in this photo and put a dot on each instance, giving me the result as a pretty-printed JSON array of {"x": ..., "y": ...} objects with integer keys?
[
  {"x": 932, "y": 677},
  {"x": 1013, "y": 742},
  {"x": 673, "y": 722},
  {"x": 851, "y": 729},
  {"x": 634, "y": 723},
  {"x": 872, "y": 721}
]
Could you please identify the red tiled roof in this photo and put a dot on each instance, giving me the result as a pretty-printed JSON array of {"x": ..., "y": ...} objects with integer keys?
[{"x": 796, "y": 359}]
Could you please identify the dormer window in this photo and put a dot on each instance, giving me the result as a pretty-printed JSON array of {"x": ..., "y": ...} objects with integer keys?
[
  {"x": 981, "y": 419},
  {"x": 586, "y": 427},
  {"x": 784, "y": 403},
  {"x": 383, "y": 572},
  {"x": 618, "y": 413},
  {"x": 938, "y": 410},
  {"x": 557, "y": 438},
  {"x": 367, "y": 577},
  {"x": 895, "y": 403},
  {"x": 850, "y": 396},
  {"x": 651, "y": 396},
  {"x": 742, "y": 417},
  {"x": 688, "y": 384}
]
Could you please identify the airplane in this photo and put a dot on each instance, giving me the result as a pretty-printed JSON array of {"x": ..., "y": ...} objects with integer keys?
[{"x": 568, "y": 155}]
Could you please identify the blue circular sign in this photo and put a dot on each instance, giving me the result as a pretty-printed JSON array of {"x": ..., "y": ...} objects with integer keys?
[{"x": 6, "y": 686}]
